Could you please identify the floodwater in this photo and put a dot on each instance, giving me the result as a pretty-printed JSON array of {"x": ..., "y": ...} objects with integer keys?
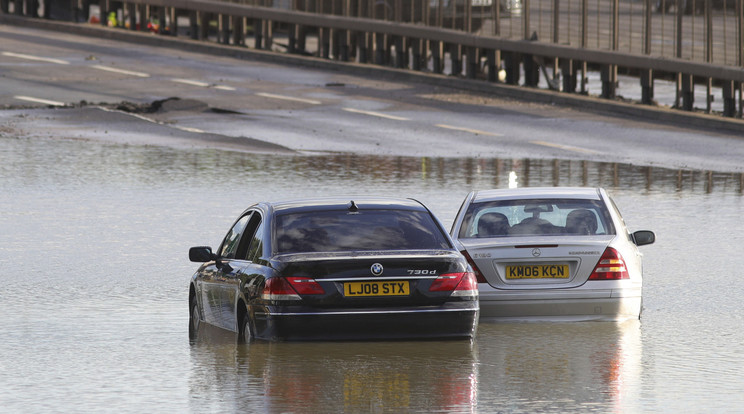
[{"x": 93, "y": 292}]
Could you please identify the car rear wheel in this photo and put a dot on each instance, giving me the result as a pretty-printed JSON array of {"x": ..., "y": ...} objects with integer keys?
[
  {"x": 194, "y": 320},
  {"x": 245, "y": 335}
]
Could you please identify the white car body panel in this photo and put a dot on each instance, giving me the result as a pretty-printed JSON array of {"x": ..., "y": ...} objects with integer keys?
[{"x": 548, "y": 297}]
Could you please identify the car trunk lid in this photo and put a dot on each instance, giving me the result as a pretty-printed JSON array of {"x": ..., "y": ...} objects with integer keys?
[
  {"x": 541, "y": 263},
  {"x": 364, "y": 278}
]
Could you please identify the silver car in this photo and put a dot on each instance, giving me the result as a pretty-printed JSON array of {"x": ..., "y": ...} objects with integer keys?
[{"x": 555, "y": 254}]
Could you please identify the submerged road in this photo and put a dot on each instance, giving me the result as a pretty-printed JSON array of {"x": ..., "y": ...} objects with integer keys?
[{"x": 61, "y": 85}]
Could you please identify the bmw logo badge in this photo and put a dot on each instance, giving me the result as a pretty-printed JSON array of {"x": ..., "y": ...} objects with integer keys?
[{"x": 376, "y": 269}]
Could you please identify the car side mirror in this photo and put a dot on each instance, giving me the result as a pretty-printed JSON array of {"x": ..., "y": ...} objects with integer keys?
[
  {"x": 643, "y": 237},
  {"x": 201, "y": 254}
]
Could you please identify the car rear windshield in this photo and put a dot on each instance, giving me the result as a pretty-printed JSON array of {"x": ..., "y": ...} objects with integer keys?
[
  {"x": 333, "y": 231},
  {"x": 546, "y": 217}
]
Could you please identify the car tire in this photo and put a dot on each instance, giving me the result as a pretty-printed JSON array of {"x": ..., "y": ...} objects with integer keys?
[
  {"x": 245, "y": 333},
  {"x": 194, "y": 319}
]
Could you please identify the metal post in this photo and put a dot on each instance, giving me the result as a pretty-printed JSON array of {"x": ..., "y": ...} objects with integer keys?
[
  {"x": 678, "y": 52},
  {"x": 238, "y": 31},
  {"x": 258, "y": 33},
  {"x": 584, "y": 41},
  {"x": 194, "y": 24},
  {"x": 556, "y": 19},
  {"x": 132, "y": 10},
  {"x": 740, "y": 33},
  {"x": 608, "y": 76},
  {"x": 647, "y": 86},
  {"x": 647, "y": 76},
  {"x": 399, "y": 52},
  {"x": 526, "y": 19},
  {"x": 688, "y": 91},
  {"x": 436, "y": 56},
  {"x": 102, "y": 14},
  {"x": 568, "y": 70},
  {"x": 729, "y": 98},
  {"x": 416, "y": 45},
  {"x": 493, "y": 68},
  {"x": 343, "y": 46},
  {"x": 335, "y": 36},
  {"x": 456, "y": 59},
  {"x": 471, "y": 67},
  {"x": 224, "y": 23},
  {"x": 144, "y": 17},
  {"x": 5, "y": 6},
  {"x": 511, "y": 65},
  {"x": 380, "y": 49},
  {"x": 362, "y": 47}
]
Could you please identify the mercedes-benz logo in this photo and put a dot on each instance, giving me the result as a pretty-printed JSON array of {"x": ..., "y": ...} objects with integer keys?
[
  {"x": 376, "y": 269},
  {"x": 536, "y": 252}
]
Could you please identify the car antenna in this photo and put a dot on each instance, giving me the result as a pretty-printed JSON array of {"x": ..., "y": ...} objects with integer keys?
[{"x": 353, "y": 208}]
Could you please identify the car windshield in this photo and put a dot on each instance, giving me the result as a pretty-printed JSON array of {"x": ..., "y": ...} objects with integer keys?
[
  {"x": 536, "y": 217},
  {"x": 334, "y": 231}
]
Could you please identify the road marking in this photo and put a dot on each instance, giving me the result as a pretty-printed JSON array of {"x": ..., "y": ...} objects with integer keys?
[
  {"x": 289, "y": 98},
  {"x": 190, "y": 129},
  {"x": 190, "y": 82},
  {"x": 121, "y": 71},
  {"x": 565, "y": 147},
  {"x": 38, "y": 58},
  {"x": 377, "y": 114},
  {"x": 470, "y": 130},
  {"x": 144, "y": 118},
  {"x": 202, "y": 84},
  {"x": 39, "y": 100}
]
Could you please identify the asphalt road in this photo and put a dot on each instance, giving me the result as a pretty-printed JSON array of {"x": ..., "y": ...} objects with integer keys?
[{"x": 62, "y": 85}]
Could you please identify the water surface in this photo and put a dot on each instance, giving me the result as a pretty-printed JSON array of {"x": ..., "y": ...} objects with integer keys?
[{"x": 95, "y": 281}]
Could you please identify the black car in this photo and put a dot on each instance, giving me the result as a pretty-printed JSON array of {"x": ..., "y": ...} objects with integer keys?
[{"x": 335, "y": 269}]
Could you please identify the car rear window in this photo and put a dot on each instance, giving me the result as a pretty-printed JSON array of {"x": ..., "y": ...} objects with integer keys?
[
  {"x": 537, "y": 217},
  {"x": 333, "y": 231}
]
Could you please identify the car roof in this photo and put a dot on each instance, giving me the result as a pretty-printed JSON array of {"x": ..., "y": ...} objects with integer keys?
[
  {"x": 344, "y": 203},
  {"x": 537, "y": 193}
]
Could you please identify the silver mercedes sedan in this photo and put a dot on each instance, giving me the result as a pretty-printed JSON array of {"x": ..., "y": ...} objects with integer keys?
[{"x": 551, "y": 254}]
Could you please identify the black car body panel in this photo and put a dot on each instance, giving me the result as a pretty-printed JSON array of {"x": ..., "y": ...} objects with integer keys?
[{"x": 333, "y": 269}]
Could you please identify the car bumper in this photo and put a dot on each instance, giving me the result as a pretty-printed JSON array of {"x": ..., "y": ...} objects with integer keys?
[
  {"x": 557, "y": 305},
  {"x": 303, "y": 324}
]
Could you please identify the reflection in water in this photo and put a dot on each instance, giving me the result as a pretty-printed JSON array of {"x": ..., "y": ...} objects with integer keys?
[
  {"x": 332, "y": 376},
  {"x": 560, "y": 367},
  {"x": 510, "y": 367}
]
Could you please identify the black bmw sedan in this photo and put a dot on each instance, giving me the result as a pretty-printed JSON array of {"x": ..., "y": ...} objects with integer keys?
[{"x": 335, "y": 269}]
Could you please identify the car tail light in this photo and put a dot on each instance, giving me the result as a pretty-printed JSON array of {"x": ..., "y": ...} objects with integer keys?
[
  {"x": 478, "y": 275},
  {"x": 461, "y": 284},
  {"x": 306, "y": 286},
  {"x": 610, "y": 267},
  {"x": 278, "y": 288}
]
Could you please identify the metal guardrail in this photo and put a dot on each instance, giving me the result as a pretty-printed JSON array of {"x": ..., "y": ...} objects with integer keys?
[{"x": 359, "y": 33}]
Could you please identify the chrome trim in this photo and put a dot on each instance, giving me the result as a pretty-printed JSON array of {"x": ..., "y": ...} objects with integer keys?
[
  {"x": 371, "y": 279},
  {"x": 370, "y": 312}
]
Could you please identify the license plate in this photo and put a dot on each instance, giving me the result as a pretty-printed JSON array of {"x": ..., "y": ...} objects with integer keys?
[
  {"x": 551, "y": 271},
  {"x": 377, "y": 288}
]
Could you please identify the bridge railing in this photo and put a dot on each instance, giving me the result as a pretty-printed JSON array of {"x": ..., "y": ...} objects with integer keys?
[{"x": 688, "y": 42}]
